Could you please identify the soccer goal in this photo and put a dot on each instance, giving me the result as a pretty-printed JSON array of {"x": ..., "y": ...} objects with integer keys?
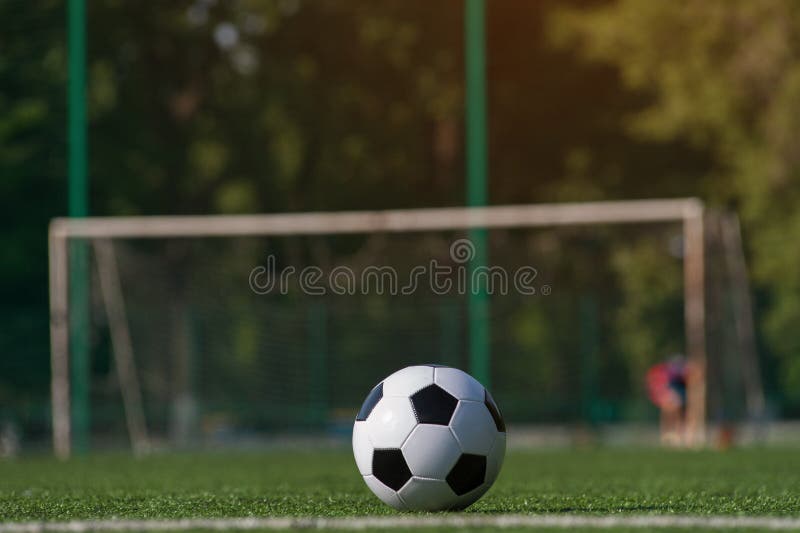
[{"x": 188, "y": 331}]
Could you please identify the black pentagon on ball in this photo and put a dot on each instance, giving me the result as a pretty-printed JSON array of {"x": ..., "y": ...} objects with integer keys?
[
  {"x": 467, "y": 474},
  {"x": 390, "y": 467},
  {"x": 372, "y": 400},
  {"x": 495, "y": 412},
  {"x": 433, "y": 405}
]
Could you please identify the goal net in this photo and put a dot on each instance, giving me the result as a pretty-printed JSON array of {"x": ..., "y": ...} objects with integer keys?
[{"x": 233, "y": 330}]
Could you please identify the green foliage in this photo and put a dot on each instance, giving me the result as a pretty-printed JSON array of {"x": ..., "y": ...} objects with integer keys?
[
  {"x": 725, "y": 77},
  {"x": 251, "y": 106},
  {"x": 652, "y": 314},
  {"x": 226, "y": 107},
  {"x": 278, "y": 105},
  {"x": 32, "y": 164}
]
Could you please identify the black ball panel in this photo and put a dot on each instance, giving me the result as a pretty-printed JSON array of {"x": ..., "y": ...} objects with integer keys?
[
  {"x": 495, "y": 412},
  {"x": 433, "y": 405},
  {"x": 390, "y": 467},
  {"x": 372, "y": 400},
  {"x": 467, "y": 474}
]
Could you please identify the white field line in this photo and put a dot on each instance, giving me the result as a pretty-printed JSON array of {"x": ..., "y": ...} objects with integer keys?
[{"x": 392, "y": 522}]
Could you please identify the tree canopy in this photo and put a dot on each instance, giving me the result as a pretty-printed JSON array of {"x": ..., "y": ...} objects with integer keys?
[
  {"x": 287, "y": 105},
  {"x": 725, "y": 78}
]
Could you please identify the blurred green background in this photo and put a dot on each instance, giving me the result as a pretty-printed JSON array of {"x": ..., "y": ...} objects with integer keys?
[{"x": 253, "y": 106}]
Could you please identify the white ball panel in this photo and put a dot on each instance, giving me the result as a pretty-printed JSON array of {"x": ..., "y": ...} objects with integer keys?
[
  {"x": 407, "y": 381},
  {"x": 387, "y": 495},
  {"x": 391, "y": 422},
  {"x": 362, "y": 448},
  {"x": 459, "y": 384},
  {"x": 494, "y": 461},
  {"x": 473, "y": 427},
  {"x": 427, "y": 494},
  {"x": 431, "y": 451}
]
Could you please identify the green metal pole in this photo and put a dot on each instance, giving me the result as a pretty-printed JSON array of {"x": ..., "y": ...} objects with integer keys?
[
  {"x": 78, "y": 207},
  {"x": 477, "y": 173},
  {"x": 589, "y": 342}
]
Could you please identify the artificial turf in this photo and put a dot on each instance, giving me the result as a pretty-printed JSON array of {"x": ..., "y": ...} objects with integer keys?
[{"x": 326, "y": 483}]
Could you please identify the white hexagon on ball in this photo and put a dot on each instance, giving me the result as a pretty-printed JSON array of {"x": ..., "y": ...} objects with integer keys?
[
  {"x": 429, "y": 438},
  {"x": 459, "y": 384},
  {"x": 391, "y": 422},
  {"x": 495, "y": 458},
  {"x": 426, "y": 494},
  {"x": 474, "y": 427},
  {"x": 407, "y": 381},
  {"x": 362, "y": 448},
  {"x": 431, "y": 451}
]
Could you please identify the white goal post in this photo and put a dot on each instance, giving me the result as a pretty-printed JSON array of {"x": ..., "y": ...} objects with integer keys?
[{"x": 690, "y": 212}]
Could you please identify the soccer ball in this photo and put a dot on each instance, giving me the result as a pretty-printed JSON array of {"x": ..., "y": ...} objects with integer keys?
[{"x": 429, "y": 438}]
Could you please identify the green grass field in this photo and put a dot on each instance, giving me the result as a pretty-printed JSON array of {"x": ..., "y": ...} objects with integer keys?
[{"x": 753, "y": 482}]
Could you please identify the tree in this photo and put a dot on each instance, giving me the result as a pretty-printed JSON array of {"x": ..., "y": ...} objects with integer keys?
[
  {"x": 723, "y": 76},
  {"x": 32, "y": 167}
]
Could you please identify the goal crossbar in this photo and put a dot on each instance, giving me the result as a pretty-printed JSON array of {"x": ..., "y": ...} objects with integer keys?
[
  {"x": 448, "y": 218},
  {"x": 689, "y": 211}
]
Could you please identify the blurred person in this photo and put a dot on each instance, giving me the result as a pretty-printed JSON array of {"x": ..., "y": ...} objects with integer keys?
[{"x": 666, "y": 386}]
